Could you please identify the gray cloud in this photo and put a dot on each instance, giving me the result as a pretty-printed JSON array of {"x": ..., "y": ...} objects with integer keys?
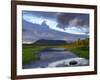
[{"x": 72, "y": 19}]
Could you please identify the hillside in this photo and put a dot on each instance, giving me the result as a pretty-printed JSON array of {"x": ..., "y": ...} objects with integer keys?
[{"x": 50, "y": 42}]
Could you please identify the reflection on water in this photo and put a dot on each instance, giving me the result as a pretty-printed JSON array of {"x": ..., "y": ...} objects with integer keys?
[{"x": 50, "y": 55}]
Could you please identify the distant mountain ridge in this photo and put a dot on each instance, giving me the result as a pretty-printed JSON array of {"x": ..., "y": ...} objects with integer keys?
[{"x": 44, "y": 41}]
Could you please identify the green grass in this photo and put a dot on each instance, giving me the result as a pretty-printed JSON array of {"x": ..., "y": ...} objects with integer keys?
[
  {"x": 80, "y": 48},
  {"x": 81, "y": 52},
  {"x": 30, "y": 53}
]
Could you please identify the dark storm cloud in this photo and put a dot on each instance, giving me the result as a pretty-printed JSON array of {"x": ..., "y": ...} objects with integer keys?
[{"x": 72, "y": 19}]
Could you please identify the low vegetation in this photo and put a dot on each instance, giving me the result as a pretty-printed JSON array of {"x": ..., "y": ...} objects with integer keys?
[
  {"x": 30, "y": 53},
  {"x": 80, "y": 48}
]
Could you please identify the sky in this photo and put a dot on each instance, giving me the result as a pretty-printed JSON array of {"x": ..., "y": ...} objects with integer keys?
[{"x": 73, "y": 23}]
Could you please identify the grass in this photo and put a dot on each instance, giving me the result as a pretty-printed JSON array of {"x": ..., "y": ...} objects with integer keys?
[
  {"x": 81, "y": 52},
  {"x": 80, "y": 48},
  {"x": 30, "y": 53}
]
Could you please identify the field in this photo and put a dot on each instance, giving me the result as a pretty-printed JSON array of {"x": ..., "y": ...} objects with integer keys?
[
  {"x": 30, "y": 51},
  {"x": 80, "y": 48}
]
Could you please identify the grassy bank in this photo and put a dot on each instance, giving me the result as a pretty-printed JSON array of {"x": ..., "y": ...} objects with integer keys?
[
  {"x": 81, "y": 52},
  {"x": 30, "y": 53},
  {"x": 80, "y": 48}
]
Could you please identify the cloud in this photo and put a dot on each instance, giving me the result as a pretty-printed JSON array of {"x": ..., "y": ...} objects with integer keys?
[
  {"x": 72, "y": 19},
  {"x": 77, "y": 30},
  {"x": 43, "y": 14},
  {"x": 74, "y": 23}
]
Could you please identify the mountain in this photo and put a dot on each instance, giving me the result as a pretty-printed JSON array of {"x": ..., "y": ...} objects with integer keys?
[
  {"x": 33, "y": 32},
  {"x": 50, "y": 42}
]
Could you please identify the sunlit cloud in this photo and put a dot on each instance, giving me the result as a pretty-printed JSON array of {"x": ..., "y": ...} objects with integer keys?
[
  {"x": 33, "y": 19},
  {"x": 77, "y": 30}
]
